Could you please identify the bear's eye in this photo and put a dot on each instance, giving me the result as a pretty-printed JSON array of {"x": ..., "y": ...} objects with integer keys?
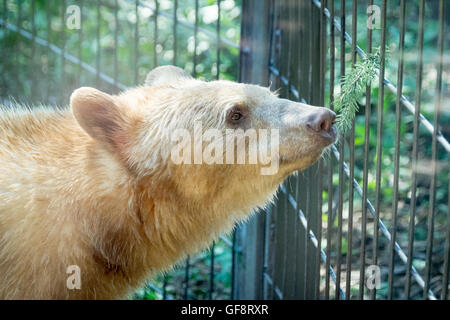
[{"x": 236, "y": 115}]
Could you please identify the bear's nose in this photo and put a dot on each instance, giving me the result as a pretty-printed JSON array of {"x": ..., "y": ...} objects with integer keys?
[{"x": 321, "y": 120}]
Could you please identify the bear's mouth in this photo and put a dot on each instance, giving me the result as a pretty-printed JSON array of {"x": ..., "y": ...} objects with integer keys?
[{"x": 327, "y": 137}]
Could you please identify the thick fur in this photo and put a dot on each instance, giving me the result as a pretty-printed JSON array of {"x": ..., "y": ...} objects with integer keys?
[{"x": 93, "y": 186}]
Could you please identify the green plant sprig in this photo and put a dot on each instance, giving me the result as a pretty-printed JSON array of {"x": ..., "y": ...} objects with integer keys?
[{"x": 353, "y": 87}]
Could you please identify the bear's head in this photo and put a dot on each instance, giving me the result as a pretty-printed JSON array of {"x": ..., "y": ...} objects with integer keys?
[{"x": 215, "y": 142}]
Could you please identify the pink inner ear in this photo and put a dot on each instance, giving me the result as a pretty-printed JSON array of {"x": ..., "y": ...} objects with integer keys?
[{"x": 98, "y": 114}]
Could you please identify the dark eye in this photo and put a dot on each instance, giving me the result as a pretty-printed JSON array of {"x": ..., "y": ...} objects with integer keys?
[{"x": 236, "y": 116}]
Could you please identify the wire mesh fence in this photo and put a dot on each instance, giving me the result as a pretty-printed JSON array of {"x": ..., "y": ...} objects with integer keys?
[
  {"x": 374, "y": 208},
  {"x": 362, "y": 223}
]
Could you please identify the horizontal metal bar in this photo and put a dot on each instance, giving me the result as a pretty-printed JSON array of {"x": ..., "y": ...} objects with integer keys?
[
  {"x": 211, "y": 34},
  {"x": 159, "y": 291},
  {"x": 311, "y": 235},
  {"x": 277, "y": 290},
  {"x": 226, "y": 240},
  {"x": 388, "y": 83},
  {"x": 285, "y": 80}
]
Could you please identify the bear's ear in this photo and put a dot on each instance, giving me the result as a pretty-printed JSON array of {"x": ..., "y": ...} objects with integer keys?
[
  {"x": 98, "y": 114},
  {"x": 165, "y": 75}
]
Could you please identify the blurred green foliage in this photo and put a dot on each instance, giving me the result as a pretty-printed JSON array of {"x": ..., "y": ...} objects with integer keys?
[{"x": 25, "y": 64}]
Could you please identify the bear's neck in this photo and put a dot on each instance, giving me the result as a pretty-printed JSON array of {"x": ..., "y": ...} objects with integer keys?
[
  {"x": 150, "y": 225},
  {"x": 178, "y": 224}
]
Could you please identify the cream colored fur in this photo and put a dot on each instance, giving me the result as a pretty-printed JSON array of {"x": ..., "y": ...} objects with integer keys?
[{"x": 93, "y": 185}]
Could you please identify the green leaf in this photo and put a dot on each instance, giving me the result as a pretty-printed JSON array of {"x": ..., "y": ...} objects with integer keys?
[{"x": 353, "y": 87}]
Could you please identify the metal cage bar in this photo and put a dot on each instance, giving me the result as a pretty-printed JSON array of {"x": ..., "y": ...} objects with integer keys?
[
  {"x": 330, "y": 162},
  {"x": 352, "y": 169},
  {"x": 379, "y": 149},
  {"x": 398, "y": 114},
  {"x": 415, "y": 151}
]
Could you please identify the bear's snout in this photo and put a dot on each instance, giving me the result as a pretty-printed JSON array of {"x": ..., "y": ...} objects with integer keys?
[{"x": 322, "y": 122}]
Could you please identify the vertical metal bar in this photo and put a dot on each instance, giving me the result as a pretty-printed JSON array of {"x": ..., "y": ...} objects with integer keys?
[
  {"x": 379, "y": 139},
  {"x": 233, "y": 266},
  {"x": 306, "y": 238},
  {"x": 398, "y": 115},
  {"x": 63, "y": 49},
  {"x": 319, "y": 230},
  {"x": 19, "y": 14},
  {"x": 309, "y": 210},
  {"x": 186, "y": 280},
  {"x": 274, "y": 217},
  {"x": 18, "y": 44},
  {"x": 218, "y": 39},
  {"x": 330, "y": 162},
  {"x": 362, "y": 258},
  {"x": 295, "y": 14},
  {"x": 329, "y": 228},
  {"x": 175, "y": 22},
  {"x": 195, "y": 38},
  {"x": 264, "y": 252},
  {"x": 47, "y": 51},
  {"x": 283, "y": 240},
  {"x": 5, "y": 14},
  {"x": 33, "y": 48},
  {"x": 341, "y": 163},
  {"x": 323, "y": 34},
  {"x": 290, "y": 40},
  {"x": 296, "y": 236},
  {"x": 165, "y": 287},
  {"x": 444, "y": 292},
  {"x": 285, "y": 69},
  {"x": 19, "y": 25},
  {"x": 267, "y": 215},
  {"x": 307, "y": 76},
  {"x": 211, "y": 272},
  {"x": 315, "y": 178},
  {"x": 155, "y": 35},
  {"x": 80, "y": 41},
  {"x": 305, "y": 195},
  {"x": 211, "y": 281},
  {"x": 310, "y": 41},
  {"x": 4, "y": 87},
  {"x": 271, "y": 249},
  {"x": 293, "y": 54},
  {"x": 97, "y": 57},
  {"x": 116, "y": 40},
  {"x": 415, "y": 150},
  {"x": 136, "y": 43},
  {"x": 437, "y": 111},
  {"x": 271, "y": 221},
  {"x": 352, "y": 170}
]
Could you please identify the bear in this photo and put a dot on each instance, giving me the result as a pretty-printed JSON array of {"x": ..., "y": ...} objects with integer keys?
[{"x": 93, "y": 188}]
